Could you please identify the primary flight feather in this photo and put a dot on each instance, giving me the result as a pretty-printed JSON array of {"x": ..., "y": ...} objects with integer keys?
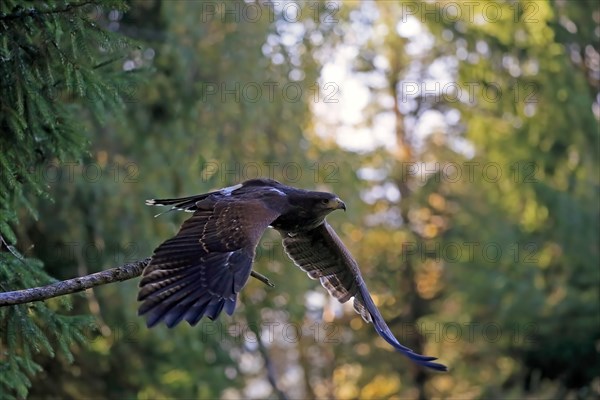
[{"x": 201, "y": 270}]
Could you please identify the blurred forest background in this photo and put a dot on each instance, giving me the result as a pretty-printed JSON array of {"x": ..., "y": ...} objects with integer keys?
[{"x": 463, "y": 136}]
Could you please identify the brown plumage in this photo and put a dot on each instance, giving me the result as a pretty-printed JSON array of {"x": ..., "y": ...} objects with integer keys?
[{"x": 200, "y": 271}]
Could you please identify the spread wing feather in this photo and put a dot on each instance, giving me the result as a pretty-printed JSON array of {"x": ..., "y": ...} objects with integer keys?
[
  {"x": 322, "y": 255},
  {"x": 200, "y": 271}
]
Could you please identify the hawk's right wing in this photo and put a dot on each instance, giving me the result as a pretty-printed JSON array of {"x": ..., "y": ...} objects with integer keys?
[{"x": 322, "y": 255}]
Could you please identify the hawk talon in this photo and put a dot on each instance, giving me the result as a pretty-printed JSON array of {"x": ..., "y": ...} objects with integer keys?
[{"x": 261, "y": 278}]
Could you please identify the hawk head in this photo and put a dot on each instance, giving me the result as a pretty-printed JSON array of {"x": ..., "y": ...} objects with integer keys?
[
  {"x": 310, "y": 209},
  {"x": 324, "y": 203},
  {"x": 317, "y": 204}
]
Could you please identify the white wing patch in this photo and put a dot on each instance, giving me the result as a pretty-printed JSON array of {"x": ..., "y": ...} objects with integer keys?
[
  {"x": 154, "y": 202},
  {"x": 227, "y": 191},
  {"x": 279, "y": 192}
]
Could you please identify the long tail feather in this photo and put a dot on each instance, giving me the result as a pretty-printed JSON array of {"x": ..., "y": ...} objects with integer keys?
[
  {"x": 384, "y": 331},
  {"x": 182, "y": 203}
]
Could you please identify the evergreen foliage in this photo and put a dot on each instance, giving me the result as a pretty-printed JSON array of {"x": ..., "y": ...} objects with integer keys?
[{"x": 56, "y": 68}]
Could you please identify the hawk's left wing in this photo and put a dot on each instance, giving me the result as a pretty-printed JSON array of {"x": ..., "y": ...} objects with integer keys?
[
  {"x": 322, "y": 255},
  {"x": 201, "y": 270}
]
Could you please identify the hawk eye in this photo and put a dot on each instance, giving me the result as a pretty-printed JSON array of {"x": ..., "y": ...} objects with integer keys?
[{"x": 325, "y": 201}]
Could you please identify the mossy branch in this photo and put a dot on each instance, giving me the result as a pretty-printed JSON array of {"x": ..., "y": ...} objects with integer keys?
[{"x": 117, "y": 274}]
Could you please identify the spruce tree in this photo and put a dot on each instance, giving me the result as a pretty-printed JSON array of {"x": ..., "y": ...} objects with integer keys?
[{"x": 59, "y": 65}]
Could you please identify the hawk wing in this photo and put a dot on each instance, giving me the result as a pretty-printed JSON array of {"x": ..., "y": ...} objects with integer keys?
[
  {"x": 322, "y": 255},
  {"x": 200, "y": 270}
]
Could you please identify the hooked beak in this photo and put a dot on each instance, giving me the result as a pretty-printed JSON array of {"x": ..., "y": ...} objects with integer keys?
[{"x": 340, "y": 204}]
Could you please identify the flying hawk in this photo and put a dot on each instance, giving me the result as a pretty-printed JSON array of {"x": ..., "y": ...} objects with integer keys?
[{"x": 201, "y": 270}]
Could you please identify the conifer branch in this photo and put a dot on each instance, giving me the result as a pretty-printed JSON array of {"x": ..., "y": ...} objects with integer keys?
[
  {"x": 32, "y": 12},
  {"x": 117, "y": 274}
]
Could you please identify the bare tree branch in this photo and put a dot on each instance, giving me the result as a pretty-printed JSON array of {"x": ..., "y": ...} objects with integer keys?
[{"x": 117, "y": 274}]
